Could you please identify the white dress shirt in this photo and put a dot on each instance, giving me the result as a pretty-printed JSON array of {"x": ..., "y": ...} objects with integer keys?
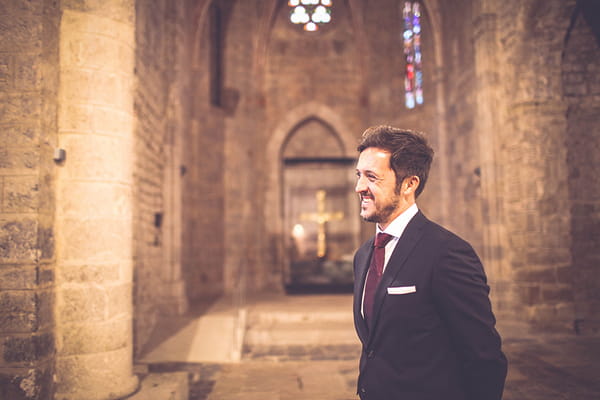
[{"x": 395, "y": 228}]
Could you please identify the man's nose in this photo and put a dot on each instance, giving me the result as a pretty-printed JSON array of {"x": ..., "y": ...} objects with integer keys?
[{"x": 360, "y": 185}]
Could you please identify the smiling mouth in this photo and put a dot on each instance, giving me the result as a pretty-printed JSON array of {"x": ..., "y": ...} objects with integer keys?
[{"x": 365, "y": 199}]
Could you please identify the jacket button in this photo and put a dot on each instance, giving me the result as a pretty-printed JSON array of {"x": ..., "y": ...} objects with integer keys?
[
  {"x": 370, "y": 354},
  {"x": 363, "y": 390}
]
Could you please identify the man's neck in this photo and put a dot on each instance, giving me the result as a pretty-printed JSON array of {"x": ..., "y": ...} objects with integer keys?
[{"x": 383, "y": 227}]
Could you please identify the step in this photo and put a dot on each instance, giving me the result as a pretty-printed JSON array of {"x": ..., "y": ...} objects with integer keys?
[
  {"x": 302, "y": 333},
  {"x": 163, "y": 386}
]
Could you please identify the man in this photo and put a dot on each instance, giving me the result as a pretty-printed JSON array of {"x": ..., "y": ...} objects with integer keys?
[{"x": 425, "y": 322}]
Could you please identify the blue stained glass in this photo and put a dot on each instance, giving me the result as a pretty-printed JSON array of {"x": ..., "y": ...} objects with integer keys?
[
  {"x": 410, "y": 100},
  {"x": 413, "y": 78}
]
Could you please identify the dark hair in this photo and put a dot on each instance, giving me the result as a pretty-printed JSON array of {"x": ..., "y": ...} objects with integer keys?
[{"x": 410, "y": 153}]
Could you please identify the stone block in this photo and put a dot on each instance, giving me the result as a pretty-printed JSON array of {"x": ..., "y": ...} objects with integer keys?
[
  {"x": 107, "y": 199},
  {"x": 28, "y": 348},
  {"x": 17, "y": 161},
  {"x": 97, "y": 158},
  {"x": 77, "y": 117},
  {"x": 557, "y": 294},
  {"x": 21, "y": 277},
  {"x": 25, "y": 310},
  {"x": 108, "y": 89},
  {"x": 26, "y": 383},
  {"x": 18, "y": 240},
  {"x": 19, "y": 30},
  {"x": 90, "y": 273},
  {"x": 82, "y": 304},
  {"x": 94, "y": 51},
  {"x": 44, "y": 309},
  {"x": 106, "y": 18},
  {"x": 46, "y": 247},
  {"x": 15, "y": 109},
  {"x": 538, "y": 276},
  {"x": 103, "y": 240},
  {"x": 18, "y": 323},
  {"x": 27, "y": 74},
  {"x": 98, "y": 376},
  {"x": 20, "y": 194},
  {"x": 18, "y": 301},
  {"x": 120, "y": 300},
  {"x": 95, "y": 337},
  {"x": 564, "y": 273},
  {"x": 557, "y": 317},
  {"x": 531, "y": 295}
]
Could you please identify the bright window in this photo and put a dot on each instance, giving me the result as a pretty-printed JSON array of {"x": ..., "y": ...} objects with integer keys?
[
  {"x": 413, "y": 78},
  {"x": 310, "y": 13}
]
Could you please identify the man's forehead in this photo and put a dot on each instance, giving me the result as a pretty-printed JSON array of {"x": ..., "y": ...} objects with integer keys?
[{"x": 373, "y": 157}]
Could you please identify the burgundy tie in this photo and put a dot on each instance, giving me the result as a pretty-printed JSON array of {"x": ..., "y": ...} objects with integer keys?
[{"x": 375, "y": 272}]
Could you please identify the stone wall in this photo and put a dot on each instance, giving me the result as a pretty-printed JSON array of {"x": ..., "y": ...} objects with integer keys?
[
  {"x": 163, "y": 103},
  {"x": 28, "y": 120},
  {"x": 534, "y": 162},
  {"x": 244, "y": 139},
  {"x": 464, "y": 213},
  {"x": 581, "y": 89},
  {"x": 203, "y": 190},
  {"x": 153, "y": 46}
]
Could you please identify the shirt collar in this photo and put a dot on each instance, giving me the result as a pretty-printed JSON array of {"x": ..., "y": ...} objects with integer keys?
[{"x": 397, "y": 226}]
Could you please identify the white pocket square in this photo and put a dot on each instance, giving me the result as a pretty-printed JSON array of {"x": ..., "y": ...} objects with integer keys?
[{"x": 402, "y": 290}]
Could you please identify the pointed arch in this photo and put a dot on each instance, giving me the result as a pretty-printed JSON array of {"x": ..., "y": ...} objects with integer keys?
[{"x": 287, "y": 125}]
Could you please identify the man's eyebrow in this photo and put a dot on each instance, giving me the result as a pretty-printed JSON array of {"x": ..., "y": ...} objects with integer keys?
[{"x": 367, "y": 171}]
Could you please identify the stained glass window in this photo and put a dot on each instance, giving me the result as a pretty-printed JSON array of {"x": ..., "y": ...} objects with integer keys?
[
  {"x": 413, "y": 78},
  {"x": 310, "y": 13}
]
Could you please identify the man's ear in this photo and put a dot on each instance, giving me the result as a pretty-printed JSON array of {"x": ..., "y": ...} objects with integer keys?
[{"x": 410, "y": 185}]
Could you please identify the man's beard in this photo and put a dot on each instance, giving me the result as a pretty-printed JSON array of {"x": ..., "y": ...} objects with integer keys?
[{"x": 381, "y": 215}]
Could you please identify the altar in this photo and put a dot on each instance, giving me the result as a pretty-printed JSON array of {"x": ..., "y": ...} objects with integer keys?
[{"x": 322, "y": 221}]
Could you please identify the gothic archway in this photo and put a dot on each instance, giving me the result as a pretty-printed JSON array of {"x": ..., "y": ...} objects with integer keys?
[{"x": 336, "y": 146}]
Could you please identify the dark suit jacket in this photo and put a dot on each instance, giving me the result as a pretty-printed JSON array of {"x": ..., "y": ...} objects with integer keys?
[{"x": 438, "y": 342}]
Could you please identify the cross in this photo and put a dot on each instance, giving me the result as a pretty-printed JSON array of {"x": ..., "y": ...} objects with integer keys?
[{"x": 321, "y": 217}]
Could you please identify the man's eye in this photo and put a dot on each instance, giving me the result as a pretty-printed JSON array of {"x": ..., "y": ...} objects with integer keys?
[{"x": 372, "y": 178}]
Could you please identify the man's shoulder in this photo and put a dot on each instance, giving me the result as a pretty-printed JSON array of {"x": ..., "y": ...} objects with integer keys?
[{"x": 437, "y": 232}]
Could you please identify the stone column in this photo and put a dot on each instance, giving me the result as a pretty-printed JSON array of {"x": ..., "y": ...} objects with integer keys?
[
  {"x": 487, "y": 127},
  {"x": 532, "y": 152},
  {"x": 94, "y": 202}
]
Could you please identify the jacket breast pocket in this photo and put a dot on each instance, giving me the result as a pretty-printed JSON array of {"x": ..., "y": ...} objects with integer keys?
[{"x": 409, "y": 301}]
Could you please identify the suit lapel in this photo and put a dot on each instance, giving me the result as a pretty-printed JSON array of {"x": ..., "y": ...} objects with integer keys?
[
  {"x": 410, "y": 237},
  {"x": 363, "y": 258}
]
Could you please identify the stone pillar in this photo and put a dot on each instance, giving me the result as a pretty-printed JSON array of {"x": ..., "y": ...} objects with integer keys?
[
  {"x": 487, "y": 125},
  {"x": 537, "y": 201},
  {"x": 94, "y": 202},
  {"x": 532, "y": 152}
]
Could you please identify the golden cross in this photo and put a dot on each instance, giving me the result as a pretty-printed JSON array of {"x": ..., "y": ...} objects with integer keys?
[{"x": 321, "y": 217}]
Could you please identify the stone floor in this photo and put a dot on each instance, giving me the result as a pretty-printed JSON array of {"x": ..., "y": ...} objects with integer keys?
[{"x": 304, "y": 347}]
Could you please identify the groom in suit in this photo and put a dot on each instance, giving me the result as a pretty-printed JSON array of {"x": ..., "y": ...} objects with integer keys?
[{"x": 421, "y": 305}]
